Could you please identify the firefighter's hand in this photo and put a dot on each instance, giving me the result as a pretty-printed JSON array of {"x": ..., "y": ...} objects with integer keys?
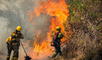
[
  {"x": 52, "y": 44},
  {"x": 7, "y": 42}
]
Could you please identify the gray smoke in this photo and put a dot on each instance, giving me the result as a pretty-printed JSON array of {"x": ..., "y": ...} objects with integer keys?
[{"x": 14, "y": 13}]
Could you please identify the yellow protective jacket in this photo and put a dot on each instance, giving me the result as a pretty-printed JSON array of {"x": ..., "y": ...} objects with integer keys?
[{"x": 9, "y": 39}]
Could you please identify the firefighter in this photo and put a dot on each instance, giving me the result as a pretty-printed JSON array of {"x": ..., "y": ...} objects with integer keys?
[
  {"x": 14, "y": 43},
  {"x": 57, "y": 36},
  {"x": 8, "y": 42}
]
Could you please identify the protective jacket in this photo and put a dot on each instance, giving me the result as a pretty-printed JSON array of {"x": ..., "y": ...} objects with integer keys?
[{"x": 57, "y": 38}]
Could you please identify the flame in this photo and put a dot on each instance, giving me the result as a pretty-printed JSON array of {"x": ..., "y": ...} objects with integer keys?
[
  {"x": 57, "y": 9},
  {"x": 58, "y": 12}
]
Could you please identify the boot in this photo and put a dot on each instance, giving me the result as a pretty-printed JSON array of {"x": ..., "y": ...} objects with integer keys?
[
  {"x": 8, "y": 58},
  {"x": 14, "y": 58},
  {"x": 54, "y": 55}
]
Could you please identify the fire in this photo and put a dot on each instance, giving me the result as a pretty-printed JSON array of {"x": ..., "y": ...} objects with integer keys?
[
  {"x": 58, "y": 12},
  {"x": 57, "y": 9}
]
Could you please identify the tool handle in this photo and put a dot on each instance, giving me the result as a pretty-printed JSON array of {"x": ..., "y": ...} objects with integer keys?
[{"x": 24, "y": 49}]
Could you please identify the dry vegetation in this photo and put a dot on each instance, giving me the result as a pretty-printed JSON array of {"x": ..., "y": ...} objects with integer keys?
[{"x": 86, "y": 24}]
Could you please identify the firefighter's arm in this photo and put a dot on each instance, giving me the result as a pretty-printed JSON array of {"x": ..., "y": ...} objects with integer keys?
[
  {"x": 51, "y": 43},
  {"x": 22, "y": 37}
]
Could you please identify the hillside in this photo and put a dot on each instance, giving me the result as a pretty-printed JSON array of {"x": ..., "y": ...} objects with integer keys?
[{"x": 80, "y": 21}]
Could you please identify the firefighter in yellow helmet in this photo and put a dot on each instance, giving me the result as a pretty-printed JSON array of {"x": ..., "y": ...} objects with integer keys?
[
  {"x": 56, "y": 41},
  {"x": 8, "y": 41},
  {"x": 13, "y": 43}
]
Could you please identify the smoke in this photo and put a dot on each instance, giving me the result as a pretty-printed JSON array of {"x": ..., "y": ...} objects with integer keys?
[{"x": 14, "y": 13}]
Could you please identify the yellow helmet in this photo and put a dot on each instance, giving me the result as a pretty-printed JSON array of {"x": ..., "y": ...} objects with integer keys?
[
  {"x": 13, "y": 34},
  {"x": 58, "y": 28},
  {"x": 18, "y": 28}
]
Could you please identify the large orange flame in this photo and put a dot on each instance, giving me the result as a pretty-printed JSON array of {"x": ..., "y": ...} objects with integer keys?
[{"x": 58, "y": 11}]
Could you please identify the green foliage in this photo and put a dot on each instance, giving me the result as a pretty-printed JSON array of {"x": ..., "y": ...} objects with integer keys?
[
  {"x": 75, "y": 8},
  {"x": 98, "y": 27}
]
